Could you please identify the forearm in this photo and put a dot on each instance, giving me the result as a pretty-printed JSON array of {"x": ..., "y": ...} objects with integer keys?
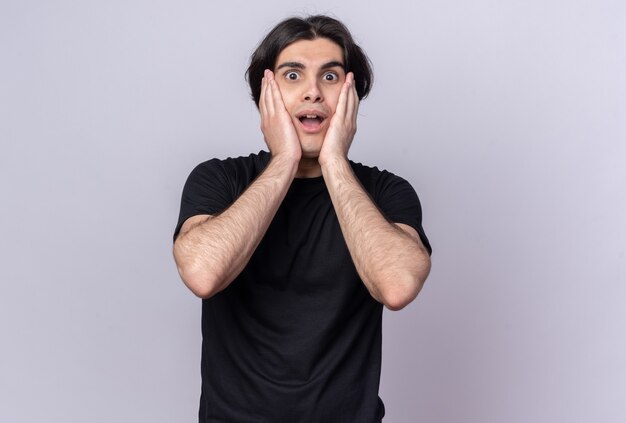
[
  {"x": 212, "y": 252},
  {"x": 391, "y": 261}
]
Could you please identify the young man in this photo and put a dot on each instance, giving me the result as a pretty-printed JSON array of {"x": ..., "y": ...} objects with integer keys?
[{"x": 296, "y": 251}]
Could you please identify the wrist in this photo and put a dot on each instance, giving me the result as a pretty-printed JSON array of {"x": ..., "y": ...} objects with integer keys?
[
  {"x": 287, "y": 160},
  {"x": 332, "y": 161}
]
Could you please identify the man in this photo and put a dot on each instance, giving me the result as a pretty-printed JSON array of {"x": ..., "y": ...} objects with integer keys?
[{"x": 296, "y": 251}]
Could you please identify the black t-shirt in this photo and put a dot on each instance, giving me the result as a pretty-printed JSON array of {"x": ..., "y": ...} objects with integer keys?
[{"x": 296, "y": 337}]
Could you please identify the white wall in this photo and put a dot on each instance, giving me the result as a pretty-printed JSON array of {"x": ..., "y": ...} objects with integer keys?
[{"x": 509, "y": 118}]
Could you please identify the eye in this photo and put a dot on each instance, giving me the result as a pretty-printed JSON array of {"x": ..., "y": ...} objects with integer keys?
[
  {"x": 292, "y": 75},
  {"x": 330, "y": 76}
]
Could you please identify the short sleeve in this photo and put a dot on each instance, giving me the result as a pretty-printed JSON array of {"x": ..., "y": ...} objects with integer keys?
[
  {"x": 395, "y": 198},
  {"x": 207, "y": 191},
  {"x": 215, "y": 184}
]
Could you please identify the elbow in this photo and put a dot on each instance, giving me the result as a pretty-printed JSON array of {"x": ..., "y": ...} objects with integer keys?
[
  {"x": 398, "y": 298},
  {"x": 403, "y": 290},
  {"x": 401, "y": 287},
  {"x": 196, "y": 276},
  {"x": 202, "y": 284},
  {"x": 200, "y": 271}
]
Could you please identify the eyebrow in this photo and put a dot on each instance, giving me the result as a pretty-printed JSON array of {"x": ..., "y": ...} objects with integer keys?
[{"x": 298, "y": 65}]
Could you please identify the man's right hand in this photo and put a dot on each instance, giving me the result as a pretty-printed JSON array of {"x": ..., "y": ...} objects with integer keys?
[
  {"x": 280, "y": 134},
  {"x": 211, "y": 251}
]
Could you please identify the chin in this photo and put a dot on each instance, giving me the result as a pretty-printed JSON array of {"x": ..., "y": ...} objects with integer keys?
[
  {"x": 310, "y": 151},
  {"x": 311, "y": 144},
  {"x": 309, "y": 154}
]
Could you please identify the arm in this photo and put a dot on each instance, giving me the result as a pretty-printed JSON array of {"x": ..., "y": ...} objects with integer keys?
[
  {"x": 390, "y": 258},
  {"x": 211, "y": 251}
]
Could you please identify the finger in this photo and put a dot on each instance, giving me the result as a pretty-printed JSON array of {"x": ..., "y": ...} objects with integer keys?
[
  {"x": 342, "y": 101},
  {"x": 269, "y": 93},
  {"x": 262, "y": 96},
  {"x": 350, "y": 103},
  {"x": 277, "y": 96},
  {"x": 354, "y": 100}
]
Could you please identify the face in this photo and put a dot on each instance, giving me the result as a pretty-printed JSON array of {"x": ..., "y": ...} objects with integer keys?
[{"x": 310, "y": 75}]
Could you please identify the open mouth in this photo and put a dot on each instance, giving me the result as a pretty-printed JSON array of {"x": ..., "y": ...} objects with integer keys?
[{"x": 311, "y": 122}]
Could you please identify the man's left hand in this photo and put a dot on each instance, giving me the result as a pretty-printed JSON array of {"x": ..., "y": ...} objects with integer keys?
[{"x": 342, "y": 125}]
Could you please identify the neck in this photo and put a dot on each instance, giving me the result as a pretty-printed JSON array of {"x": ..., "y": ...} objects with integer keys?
[{"x": 309, "y": 168}]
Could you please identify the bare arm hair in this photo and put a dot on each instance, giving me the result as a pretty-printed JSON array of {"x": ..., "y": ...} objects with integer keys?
[
  {"x": 211, "y": 251},
  {"x": 389, "y": 257}
]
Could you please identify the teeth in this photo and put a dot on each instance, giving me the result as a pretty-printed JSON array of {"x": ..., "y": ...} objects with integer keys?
[{"x": 311, "y": 116}]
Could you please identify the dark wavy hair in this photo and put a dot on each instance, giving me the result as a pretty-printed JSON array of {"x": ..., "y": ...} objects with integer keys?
[{"x": 309, "y": 28}]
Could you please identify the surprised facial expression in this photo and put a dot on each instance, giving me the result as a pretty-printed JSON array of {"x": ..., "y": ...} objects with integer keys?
[{"x": 310, "y": 75}]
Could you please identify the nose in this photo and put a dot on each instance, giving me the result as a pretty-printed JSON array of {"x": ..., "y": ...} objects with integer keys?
[{"x": 312, "y": 92}]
